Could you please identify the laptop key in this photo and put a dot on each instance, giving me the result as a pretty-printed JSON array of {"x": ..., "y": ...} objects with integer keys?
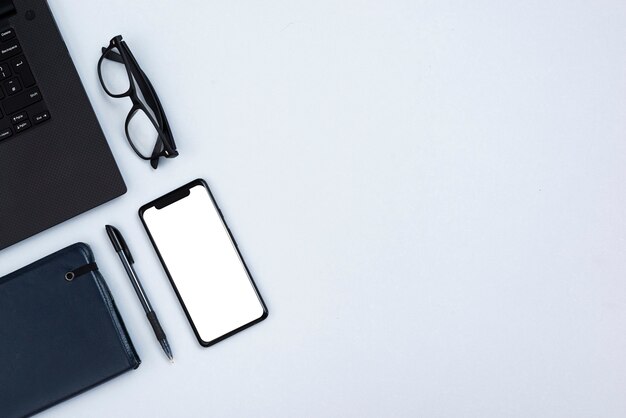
[
  {"x": 21, "y": 100},
  {"x": 12, "y": 86},
  {"x": 9, "y": 49},
  {"x": 4, "y": 71},
  {"x": 20, "y": 117},
  {"x": 41, "y": 117},
  {"x": 4, "y": 134},
  {"x": 22, "y": 126},
  {"x": 21, "y": 68},
  {"x": 7, "y": 34}
]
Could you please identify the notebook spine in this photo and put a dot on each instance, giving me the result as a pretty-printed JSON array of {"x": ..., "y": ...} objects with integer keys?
[{"x": 122, "y": 333}]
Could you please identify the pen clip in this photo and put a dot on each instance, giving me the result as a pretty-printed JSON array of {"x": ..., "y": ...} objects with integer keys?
[{"x": 119, "y": 244}]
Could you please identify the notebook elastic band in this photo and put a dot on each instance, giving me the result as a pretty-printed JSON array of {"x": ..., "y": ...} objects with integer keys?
[{"x": 87, "y": 268}]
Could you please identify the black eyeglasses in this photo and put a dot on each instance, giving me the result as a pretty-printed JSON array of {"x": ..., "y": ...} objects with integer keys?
[{"x": 147, "y": 129}]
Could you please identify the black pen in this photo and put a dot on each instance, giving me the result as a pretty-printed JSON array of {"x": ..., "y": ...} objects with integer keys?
[{"x": 127, "y": 261}]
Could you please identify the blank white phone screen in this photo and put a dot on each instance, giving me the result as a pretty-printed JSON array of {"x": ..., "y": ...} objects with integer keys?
[{"x": 204, "y": 264}]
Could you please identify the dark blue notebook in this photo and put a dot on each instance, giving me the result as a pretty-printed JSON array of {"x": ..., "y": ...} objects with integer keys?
[{"x": 60, "y": 332}]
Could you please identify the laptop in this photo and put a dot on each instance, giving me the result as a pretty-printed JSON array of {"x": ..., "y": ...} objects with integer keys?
[{"x": 55, "y": 162}]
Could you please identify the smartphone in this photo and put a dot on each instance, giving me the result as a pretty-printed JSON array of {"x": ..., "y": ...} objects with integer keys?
[{"x": 202, "y": 261}]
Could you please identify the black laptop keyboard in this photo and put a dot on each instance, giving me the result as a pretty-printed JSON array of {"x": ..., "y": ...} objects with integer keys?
[{"x": 21, "y": 103}]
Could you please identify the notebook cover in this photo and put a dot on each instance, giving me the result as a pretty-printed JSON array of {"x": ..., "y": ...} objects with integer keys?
[{"x": 58, "y": 338}]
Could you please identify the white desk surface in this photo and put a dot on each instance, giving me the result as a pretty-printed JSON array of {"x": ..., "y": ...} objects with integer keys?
[{"x": 431, "y": 196}]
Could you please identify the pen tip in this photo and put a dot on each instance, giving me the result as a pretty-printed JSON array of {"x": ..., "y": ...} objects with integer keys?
[{"x": 167, "y": 350}]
